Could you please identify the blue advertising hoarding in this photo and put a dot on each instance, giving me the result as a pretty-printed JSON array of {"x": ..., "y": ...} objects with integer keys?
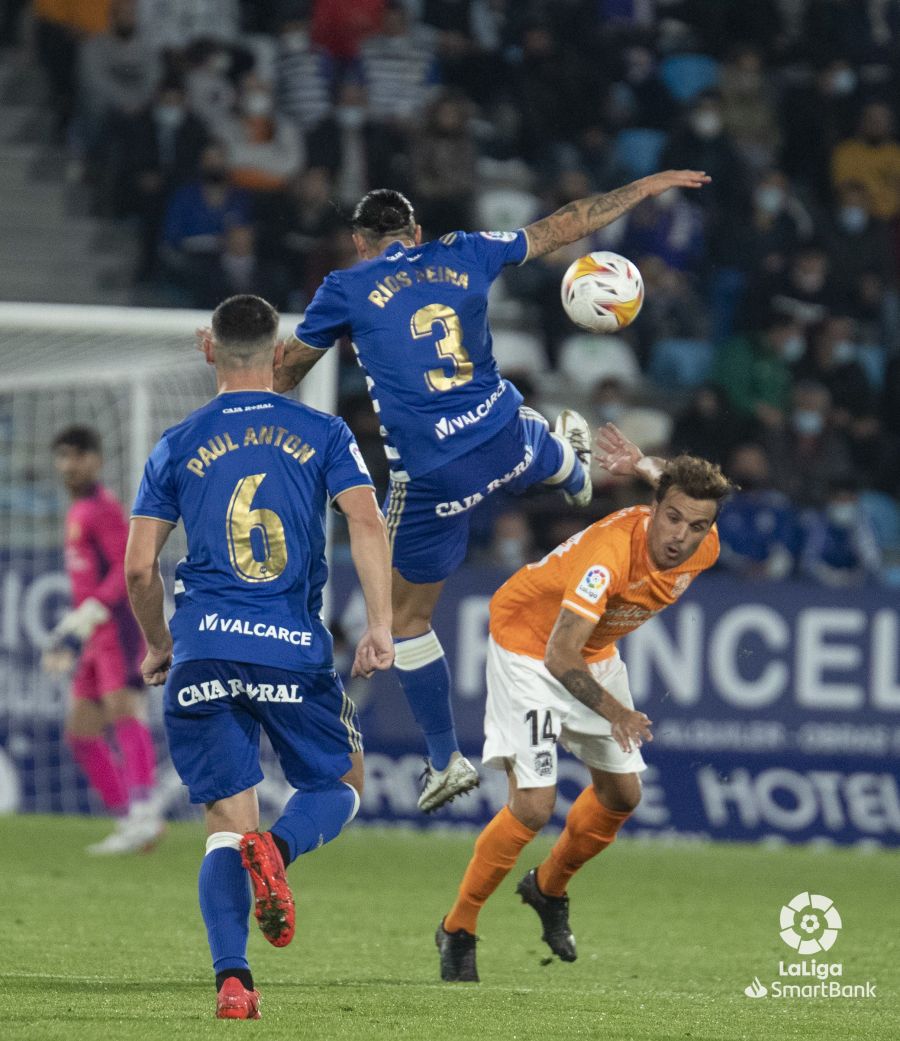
[{"x": 776, "y": 710}]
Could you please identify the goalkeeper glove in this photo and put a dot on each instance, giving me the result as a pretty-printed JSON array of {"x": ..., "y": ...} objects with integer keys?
[{"x": 82, "y": 620}]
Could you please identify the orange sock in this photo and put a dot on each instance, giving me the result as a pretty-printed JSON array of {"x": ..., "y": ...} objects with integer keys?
[
  {"x": 590, "y": 828},
  {"x": 496, "y": 850}
]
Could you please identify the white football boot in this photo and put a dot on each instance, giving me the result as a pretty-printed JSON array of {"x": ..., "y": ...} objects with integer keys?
[
  {"x": 572, "y": 427},
  {"x": 458, "y": 777},
  {"x": 137, "y": 833}
]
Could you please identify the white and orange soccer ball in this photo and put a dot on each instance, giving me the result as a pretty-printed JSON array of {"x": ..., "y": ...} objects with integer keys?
[{"x": 602, "y": 292}]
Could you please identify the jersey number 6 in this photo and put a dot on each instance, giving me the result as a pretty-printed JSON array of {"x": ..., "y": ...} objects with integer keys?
[
  {"x": 242, "y": 522},
  {"x": 449, "y": 345}
]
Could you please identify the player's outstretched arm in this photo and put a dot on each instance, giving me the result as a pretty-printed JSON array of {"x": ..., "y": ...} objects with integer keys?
[
  {"x": 146, "y": 538},
  {"x": 299, "y": 358},
  {"x": 372, "y": 560},
  {"x": 583, "y": 217},
  {"x": 565, "y": 662},
  {"x": 622, "y": 458}
]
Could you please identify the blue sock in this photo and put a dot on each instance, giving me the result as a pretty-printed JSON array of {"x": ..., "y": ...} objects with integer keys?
[
  {"x": 311, "y": 819},
  {"x": 225, "y": 901},
  {"x": 425, "y": 678},
  {"x": 575, "y": 481}
]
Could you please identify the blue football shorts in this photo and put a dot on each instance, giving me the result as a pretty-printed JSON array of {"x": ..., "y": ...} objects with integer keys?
[
  {"x": 428, "y": 517},
  {"x": 214, "y": 711}
]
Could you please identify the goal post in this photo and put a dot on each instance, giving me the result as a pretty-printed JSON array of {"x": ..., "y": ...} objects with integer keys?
[{"x": 131, "y": 373}]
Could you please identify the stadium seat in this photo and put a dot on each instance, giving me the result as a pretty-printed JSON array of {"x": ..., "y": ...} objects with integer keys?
[
  {"x": 637, "y": 150},
  {"x": 687, "y": 75},
  {"x": 680, "y": 363},
  {"x": 873, "y": 359},
  {"x": 884, "y": 513},
  {"x": 519, "y": 351},
  {"x": 586, "y": 359}
]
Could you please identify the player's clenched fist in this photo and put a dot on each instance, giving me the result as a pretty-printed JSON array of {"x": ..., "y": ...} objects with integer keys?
[
  {"x": 632, "y": 729},
  {"x": 374, "y": 652}
]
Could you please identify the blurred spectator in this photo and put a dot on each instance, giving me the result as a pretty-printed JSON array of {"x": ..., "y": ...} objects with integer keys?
[
  {"x": 670, "y": 227},
  {"x": 118, "y": 74},
  {"x": 757, "y": 525},
  {"x": 639, "y": 98},
  {"x": 807, "y": 293},
  {"x": 210, "y": 90},
  {"x": 340, "y": 27},
  {"x": 512, "y": 545},
  {"x": 264, "y": 149},
  {"x": 197, "y": 217},
  {"x": 174, "y": 24},
  {"x": 840, "y": 547},
  {"x": 808, "y": 455},
  {"x": 872, "y": 158},
  {"x": 236, "y": 268},
  {"x": 703, "y": 143},
  {"x": 297, "y": 229},
  {"x": 754, "y": 369},
  {"x": 305, "y": 75},
  {"x": 817, "y": 111},
  {"x": 779, "y": 224},
  {"x": 708, "y": 427},
  {"x": 830, "y": 359},
  {"x": 672, "y": 308},
  {"x": 444, "y": 167},
  {"x": 161, "y": 149},
  {"x": 858, "y": 241},
  {"x": 59, "y": 26},
  {"x": 399, "y": 68},
  {"x": 748, "y": 107}
]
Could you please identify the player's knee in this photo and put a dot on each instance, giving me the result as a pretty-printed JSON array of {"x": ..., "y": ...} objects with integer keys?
[
  {"x": 533, "y": 807},
  {"x": 621, "y": 795}
]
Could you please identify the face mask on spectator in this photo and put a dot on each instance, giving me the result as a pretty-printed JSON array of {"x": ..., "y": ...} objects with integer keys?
[
  {"x": 706, "y": 124},
  {"x": 257, "y": 103},
  {"x": 350, "y": 117},
  {"x": 769, "y": 199},
  {"x": 809, "y": 281},
  {"x": 168, "y": 115},
  {"x": 853, "y": 219},
  {"x": 220, "y": 62},
  {"x": 843, "y": 82},
  {"x": 808, "y": 422},
  {"x": 843, "y": 351},
  {"x": 295, "y": 40},
  {"x": 612, "y": 412},
  {"x": 842, "y": 514},
  {"x": 792, "y": 349},
  {"x": 511, "y": 552}
]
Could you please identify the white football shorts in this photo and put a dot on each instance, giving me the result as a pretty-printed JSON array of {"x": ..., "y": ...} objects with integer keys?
[{"x": 528, "y": 711}]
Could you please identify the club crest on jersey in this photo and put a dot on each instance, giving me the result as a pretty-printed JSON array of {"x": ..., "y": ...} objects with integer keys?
[
  {"x": 594, "y": 584},
  {"x": 543, "y": 763},
  {"x": 499, "y": 236}
]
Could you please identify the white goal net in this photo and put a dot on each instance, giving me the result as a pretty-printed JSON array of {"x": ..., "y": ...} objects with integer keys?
[{"x": 130, "y": 373}]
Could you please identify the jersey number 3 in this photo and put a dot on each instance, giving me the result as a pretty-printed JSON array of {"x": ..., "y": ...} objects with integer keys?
[
  {"x": 256, "y": 543},
  {"x": 449, "y": 345}
]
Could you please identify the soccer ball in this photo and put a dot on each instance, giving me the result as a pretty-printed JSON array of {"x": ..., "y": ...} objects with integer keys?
[{"x": 602, "y": 292}]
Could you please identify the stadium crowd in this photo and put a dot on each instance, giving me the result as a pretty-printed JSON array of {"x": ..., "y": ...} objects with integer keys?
[{"x": 235, "y": 137}]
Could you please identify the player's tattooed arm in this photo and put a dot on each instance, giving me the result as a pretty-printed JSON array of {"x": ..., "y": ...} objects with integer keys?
[
  {"x": 623, "y": 458},
  {"x": 298, "y": 360},
  {"x": 564, "y": 661},
  {"x": 583, "y": 217}
]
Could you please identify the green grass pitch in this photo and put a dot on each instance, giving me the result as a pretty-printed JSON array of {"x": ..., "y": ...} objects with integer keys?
[{"x": 668, "y": 937}]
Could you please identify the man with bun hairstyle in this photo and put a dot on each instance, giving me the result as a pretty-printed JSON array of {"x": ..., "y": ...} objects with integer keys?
[{"x": 454, "y": 430}]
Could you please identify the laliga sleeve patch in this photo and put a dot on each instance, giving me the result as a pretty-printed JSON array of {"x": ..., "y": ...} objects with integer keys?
[
  {"x": 357, "y": 455},
  {"x": 500, "y": 236},
  {"x": 594, "y": 584}
]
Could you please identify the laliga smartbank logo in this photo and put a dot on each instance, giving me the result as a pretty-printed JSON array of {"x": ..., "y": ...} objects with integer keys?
[{"x": 810, "y": 924}]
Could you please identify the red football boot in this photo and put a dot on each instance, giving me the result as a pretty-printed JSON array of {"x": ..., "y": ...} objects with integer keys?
[
  {"x": 236, "y": 1002},
  {"x": 274, "y": 903}
]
